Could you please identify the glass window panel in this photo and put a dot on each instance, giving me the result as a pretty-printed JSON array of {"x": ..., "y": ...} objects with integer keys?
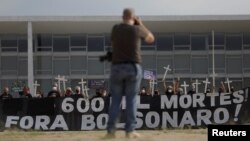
[
  {"x": 22, "y": 66},
  {"x": 22, "y": 45},
  {"x": 198, "y": 43},
  {"x": 182, "y": 63},
  {"x": 148, "y": 62},
  {"x": 9, "y": 43},
  {"x": 246, "y": 82},
  {"x": 107, "y": 40},
  {"x": 43, "y": 63},
  {"x": 219, "y": 63},
  {"x": 78, "y": 40},
  {"x": 164, "y": 62},
  {"x": 164, "y": 42},
  {"x": 218, "y": 39},
  {"x": 95, "y": 43},
  {"x": 234, "y": 65},
  {"x": 9, "y": 63},
  {"x": 60, "y": 44},
  {"x": 236, "y": 83},
  {"x": 45, "y": 86},
  {"x": 246, "y": 38},
  {"x": 95, "y": 67},
  {"x": 61, "y": 66},
  {"x": 246, "y": 60},
  {"x": 181, "y": 39},
  {"x": 44, "y": 40},
  {"x": 200, "y": 65},
  {"x": 78, "y": 64},
  {"x": 233, "y": 42}
]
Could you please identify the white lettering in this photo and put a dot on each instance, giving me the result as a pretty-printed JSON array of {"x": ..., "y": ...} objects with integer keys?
[
  {"x": 172, "y": 102},
  {"x": 26, "y": 122},
  {"x": 42, "y": 122},
  {"x": 66, "y": 106},
  {"x": 59, "y": 122},
  {"x": 88, "y": 122},
  {"x": 149, "y": 119},
  {"x": 11, "y": 120}
]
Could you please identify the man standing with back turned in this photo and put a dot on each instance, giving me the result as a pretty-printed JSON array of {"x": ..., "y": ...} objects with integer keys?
[{"x": 126, "y": 71}]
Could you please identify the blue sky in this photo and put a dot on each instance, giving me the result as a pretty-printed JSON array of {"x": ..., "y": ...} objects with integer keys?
[{"x": 114, "y": 7}]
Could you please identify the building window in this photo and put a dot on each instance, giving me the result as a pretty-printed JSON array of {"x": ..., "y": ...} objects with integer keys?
[
  {"x": 219, "y": 41},
  {"x": 164, "y": 61},
  {"x": 45, "y": 86},
  {"x": 44, "y": 42},
  {"x": 9, "y": 65},
  {"x": 60, "y": 44},
  {"x": 182, "y": 63},
  {"x": 95, "y": 67},
  {"x": 219, "y": 63},
  {"x": 233, "y": 42},
  {"x": 246, "y": 40},
  {"x": 78, "y": 64},
  {"x": 246, "y": 63},
  {"x": 164, "y": 42},
  {"x": 9, "y": 44},
  {"x": 61, "y": 66},
  {"x": 108, "y": 43},
  {"x": 95, "y": 43},
  {"x": 199, "y": 65},
  {"x": 148, "y": 62},
  {"x": 246, "y": 82},
  {"x": 22, "y": 66},
  {"x": 182, "y": 41},
  {"x": 78, "y": 42},
  {"x": 198, "y": 42},
  {"x": 234, "y": 64},
  {"x": 43, "y": 64},
  {"x": 23, "y": 45}
]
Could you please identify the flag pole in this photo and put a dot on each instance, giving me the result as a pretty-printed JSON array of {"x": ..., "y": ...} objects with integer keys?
[{"x": 213, "y": 61}]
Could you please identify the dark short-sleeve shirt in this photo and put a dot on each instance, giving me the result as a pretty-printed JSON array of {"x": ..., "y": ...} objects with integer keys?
[{"x": 126, "y": 43}]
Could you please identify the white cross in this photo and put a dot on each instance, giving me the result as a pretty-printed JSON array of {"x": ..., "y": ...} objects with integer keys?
[
  {"x": 166, "y": 71},
  {"x": 152, "y": 85},
  {"x": 35, "y": 87},
  {"x": 58, "y": 78},
  {"x": 64, "y": 82},
  {"x": 185, "y": 87},
  {"x": 228, "y": 84},
  {"x": 82, "y": 83},
  {"x": 85, "y": 90},
  {"x": 196, "y": 85},
  {"x": 206, "y": 83}
]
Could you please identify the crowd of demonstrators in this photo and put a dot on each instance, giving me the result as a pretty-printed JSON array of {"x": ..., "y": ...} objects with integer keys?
[{"x": 171, "y": 89}]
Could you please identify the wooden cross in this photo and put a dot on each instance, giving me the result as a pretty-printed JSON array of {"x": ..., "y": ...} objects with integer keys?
[
  {"x": 64, "y": 82},
  {"x": 185, "y": 87},
  {"x": 58, "y": 78},
  {"x": 196, "y": 85},
  {"x": 206, "y": 83},
  {"x": 166, "y": 71},
  {"x": 152, "y": 85},
  {"x": 35, "y": 87},
  {"x": 82, "y": 83},
  {"x": 85, "y": 90},
  {"x": 228, "y": 84}
]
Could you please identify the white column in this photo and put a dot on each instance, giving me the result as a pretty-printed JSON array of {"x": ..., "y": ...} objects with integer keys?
[{"x": 30, "y": 59}]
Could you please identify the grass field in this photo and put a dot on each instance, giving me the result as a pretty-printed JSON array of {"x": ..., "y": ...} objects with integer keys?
[{"x": 146, "y": 135}]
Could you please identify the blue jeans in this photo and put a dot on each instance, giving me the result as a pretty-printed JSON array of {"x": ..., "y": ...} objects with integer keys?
[{"x": 125, "y": 79}]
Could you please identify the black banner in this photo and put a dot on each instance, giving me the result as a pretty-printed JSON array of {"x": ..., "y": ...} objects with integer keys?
[{"x": 74, "y": 113}]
